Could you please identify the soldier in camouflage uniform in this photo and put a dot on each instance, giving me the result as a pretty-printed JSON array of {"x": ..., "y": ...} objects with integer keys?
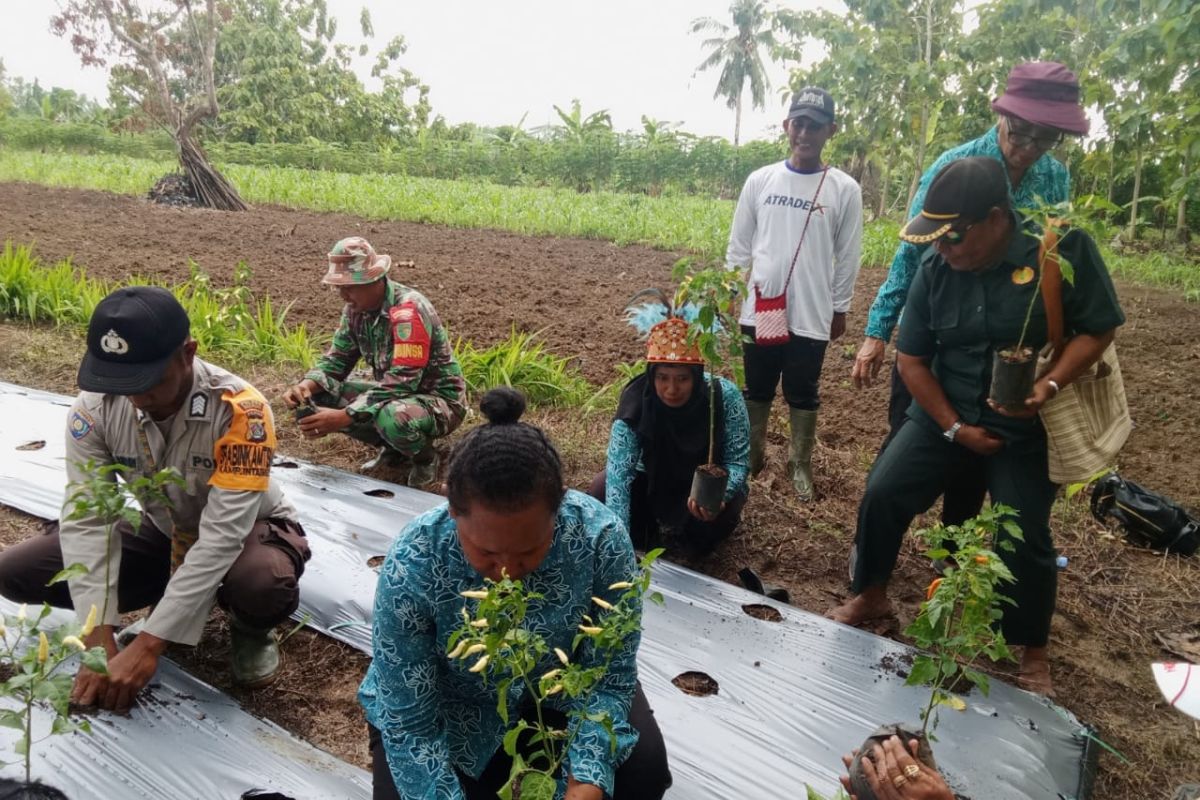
[{"x": 418, "y": 393}]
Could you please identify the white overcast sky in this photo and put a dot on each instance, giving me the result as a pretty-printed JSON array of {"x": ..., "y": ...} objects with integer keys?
[{"x": 491, "y": 61}]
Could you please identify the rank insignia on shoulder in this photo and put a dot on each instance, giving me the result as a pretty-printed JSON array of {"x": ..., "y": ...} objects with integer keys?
[
  {"x": 198, "y": 405},
  {"x": 81, "y": 425}
]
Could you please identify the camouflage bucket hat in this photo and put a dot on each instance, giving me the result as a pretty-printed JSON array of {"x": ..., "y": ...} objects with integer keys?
[{"x": 353, "y": 262}]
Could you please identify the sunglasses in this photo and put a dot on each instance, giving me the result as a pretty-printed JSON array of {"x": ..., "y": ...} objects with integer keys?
[
  {"x": 1023, "y": 135},
  {"x": 955, "y": 236}
]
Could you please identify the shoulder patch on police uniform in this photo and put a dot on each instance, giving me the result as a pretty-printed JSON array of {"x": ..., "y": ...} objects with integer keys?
[
  {"x": 243, "y": 455},
  {"x": 81, "y": 424},
  {"x": 198, "y": 405},
  {"x": 410, "y": 338}
]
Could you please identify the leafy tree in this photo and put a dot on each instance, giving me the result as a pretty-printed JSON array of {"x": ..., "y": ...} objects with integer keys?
[
  {"x": 283, "y": 78},
  {"x": 737, "y": 50},
  {"x": 168, "y": 51}
]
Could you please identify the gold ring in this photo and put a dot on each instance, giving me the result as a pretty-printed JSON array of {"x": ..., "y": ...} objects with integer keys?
[
  {"x": 899, "y": 781},
  {"x": 912, "y": 770}
]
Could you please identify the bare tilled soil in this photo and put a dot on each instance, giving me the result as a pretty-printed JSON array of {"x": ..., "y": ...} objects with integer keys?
[{"x": 1117, "y": 604}]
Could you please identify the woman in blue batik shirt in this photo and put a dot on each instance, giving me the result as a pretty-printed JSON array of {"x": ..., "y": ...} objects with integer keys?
[
  {"x": 661, "y": 434},
  {"x": 434, "y": 730}
]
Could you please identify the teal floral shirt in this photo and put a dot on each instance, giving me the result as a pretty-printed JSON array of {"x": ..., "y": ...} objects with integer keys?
[
  {"x": 435, "y": 716},
  {"x": 625, "y": 453},
  {"x": 1045, "y": 183}
]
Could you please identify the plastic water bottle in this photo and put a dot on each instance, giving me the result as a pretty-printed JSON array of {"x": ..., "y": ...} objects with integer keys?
[{"x": 1061, "y": 561}]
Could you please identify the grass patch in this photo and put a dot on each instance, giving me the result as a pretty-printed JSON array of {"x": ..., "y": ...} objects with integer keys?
[
  {"x": 233, "y": 326},
  {"x": 1156, "y": 269},
  {"x": 228, "y": 322}
]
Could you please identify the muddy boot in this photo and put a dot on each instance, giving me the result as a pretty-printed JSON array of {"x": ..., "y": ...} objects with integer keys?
[
  {"x": 386, "y": 458},
  {"x": 253, "y": 654},
  {"x": 760, "y": 412},
  {"x": 424, "y": 468},
  {"x": 804, "y": 435}
]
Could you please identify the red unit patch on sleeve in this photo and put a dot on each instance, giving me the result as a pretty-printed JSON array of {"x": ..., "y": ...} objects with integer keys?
[{"x": 410, "y": 338}]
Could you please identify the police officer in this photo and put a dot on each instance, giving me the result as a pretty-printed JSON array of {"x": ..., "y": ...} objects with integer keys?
[
  {"x": 418, "y": 393},
  {"x": 227, "y": 533},
  {"x": 970, "y": 297}
]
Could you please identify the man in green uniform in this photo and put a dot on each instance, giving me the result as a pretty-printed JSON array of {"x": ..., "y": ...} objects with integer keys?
[
  {"x": 969, "y": 298},
  {"x": 418, "y": 393}
]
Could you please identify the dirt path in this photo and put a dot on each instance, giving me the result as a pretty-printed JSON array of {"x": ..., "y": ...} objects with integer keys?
[{"x": 1113, "y": 600}]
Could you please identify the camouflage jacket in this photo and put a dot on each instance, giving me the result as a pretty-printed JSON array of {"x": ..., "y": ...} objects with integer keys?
[{"x": 406, "y": 346}]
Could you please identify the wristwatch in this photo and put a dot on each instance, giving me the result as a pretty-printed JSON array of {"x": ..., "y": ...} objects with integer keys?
[{"x": 950, "y": 432}]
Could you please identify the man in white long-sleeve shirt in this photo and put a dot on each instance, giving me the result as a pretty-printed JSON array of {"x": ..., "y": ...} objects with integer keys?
[
  {"x": 227, "y": 534},
  {"x": 797, "y": 232}
]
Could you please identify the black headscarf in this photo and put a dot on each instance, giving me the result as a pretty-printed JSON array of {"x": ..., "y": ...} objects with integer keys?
[{"x": 674, "y": 440}]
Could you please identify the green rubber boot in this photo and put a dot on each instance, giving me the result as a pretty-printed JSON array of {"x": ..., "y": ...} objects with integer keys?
[
  {"x": 760, "y": 412},
  {"x": 253, "y": 654},
  {"x": 424, "y": 468},
  {"x": 804, "y": 436}
]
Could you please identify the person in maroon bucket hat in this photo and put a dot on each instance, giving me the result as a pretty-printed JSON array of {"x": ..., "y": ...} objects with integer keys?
[{"x": 1041, "y": 105}]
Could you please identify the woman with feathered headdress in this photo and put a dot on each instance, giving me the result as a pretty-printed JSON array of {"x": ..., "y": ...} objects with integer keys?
[{"x": 661, "y": 434}]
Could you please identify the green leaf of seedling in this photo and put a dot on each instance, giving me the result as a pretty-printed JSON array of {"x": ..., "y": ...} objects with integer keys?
[
  {"x": 1067, "y": 269},
  {"x": 96, "y": 660},
  {"x": 63, "y": 725},
  {"x": 538, "y": 786},
  {"x": 656, "y": 598},
  {"x": 22, "y": 746},
  {"x": 510, "y": 739},
  {"x": 923, "y": 672},
  {"x": 11, "y": 719},
  {"x": 69, "y": 573}
]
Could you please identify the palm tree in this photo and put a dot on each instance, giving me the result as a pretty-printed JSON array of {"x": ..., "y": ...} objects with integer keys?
[{"x": 737, "y": 49}]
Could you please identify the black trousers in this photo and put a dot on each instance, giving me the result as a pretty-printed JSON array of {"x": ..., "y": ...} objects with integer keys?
[
  {"x": 697, "y": 537},
  {"x": 798, "y": 363},
  {"x": 643, "y": 776},
  {"x": 966, "y": 482},
  {"x": 906, "y": 480},
  {"x": 262, "y": 586}
]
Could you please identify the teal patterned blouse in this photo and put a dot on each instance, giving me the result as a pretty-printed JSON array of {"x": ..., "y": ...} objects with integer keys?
[
  {"x": 1045, "y": 183},
  {"x": 625, "y": 452},
  {"x": 435, "y": 716}
]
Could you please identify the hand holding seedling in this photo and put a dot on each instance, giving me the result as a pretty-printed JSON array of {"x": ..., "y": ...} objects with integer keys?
[
  {"x": 128, "y": 672},
  {"x": 301, "y": 393},
  {"x": 1042, "y": 393},
  {"x": 894, "y": 773},
  {"x": 699, "y": 513},
  {"x": 583, "y": 791}
]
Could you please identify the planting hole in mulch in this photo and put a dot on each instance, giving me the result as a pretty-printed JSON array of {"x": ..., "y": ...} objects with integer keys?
[
  {"x": 763, "y": 612},
  {"x": 896, "y": 663},
  {"x": 286, "y": 465},
  {"x": 697, "y": 684},
  {"x": 380, "y": 493},
  {"x": 38, "y": 445},
  {"x": 374, "y": 562}
]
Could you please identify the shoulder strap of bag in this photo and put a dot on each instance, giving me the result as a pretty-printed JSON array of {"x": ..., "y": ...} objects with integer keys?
[
  {"x": 1051, "y": 281},
  {"x": 804, "y": 232}
]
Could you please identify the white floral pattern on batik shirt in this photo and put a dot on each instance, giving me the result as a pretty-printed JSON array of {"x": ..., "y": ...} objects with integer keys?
[{"x": 433, "y": 715}]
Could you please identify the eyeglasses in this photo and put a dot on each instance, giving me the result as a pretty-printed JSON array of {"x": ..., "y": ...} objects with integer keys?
[
  {"x": 955, "y": 236},
  {"x": 805, "y": 124},
  {"x": 1023, "y": 135}
]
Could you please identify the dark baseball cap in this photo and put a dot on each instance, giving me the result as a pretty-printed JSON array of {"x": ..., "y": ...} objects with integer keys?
[
  {"x": 964, "y": 191},
  {"x": 813, "y": 103},
  {"x": 131, "y": 337}
]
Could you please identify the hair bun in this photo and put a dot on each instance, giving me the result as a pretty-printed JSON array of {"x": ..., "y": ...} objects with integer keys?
[{"x": 503, "y": 405}]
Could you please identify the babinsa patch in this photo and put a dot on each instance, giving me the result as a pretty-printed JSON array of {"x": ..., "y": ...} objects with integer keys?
[
  {"x": 410, "y": 339},
  {"x": 81, "y": 425}
]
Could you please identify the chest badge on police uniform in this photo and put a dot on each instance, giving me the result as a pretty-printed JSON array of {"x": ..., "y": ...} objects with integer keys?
[{"x": 1023, "y": 275}]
